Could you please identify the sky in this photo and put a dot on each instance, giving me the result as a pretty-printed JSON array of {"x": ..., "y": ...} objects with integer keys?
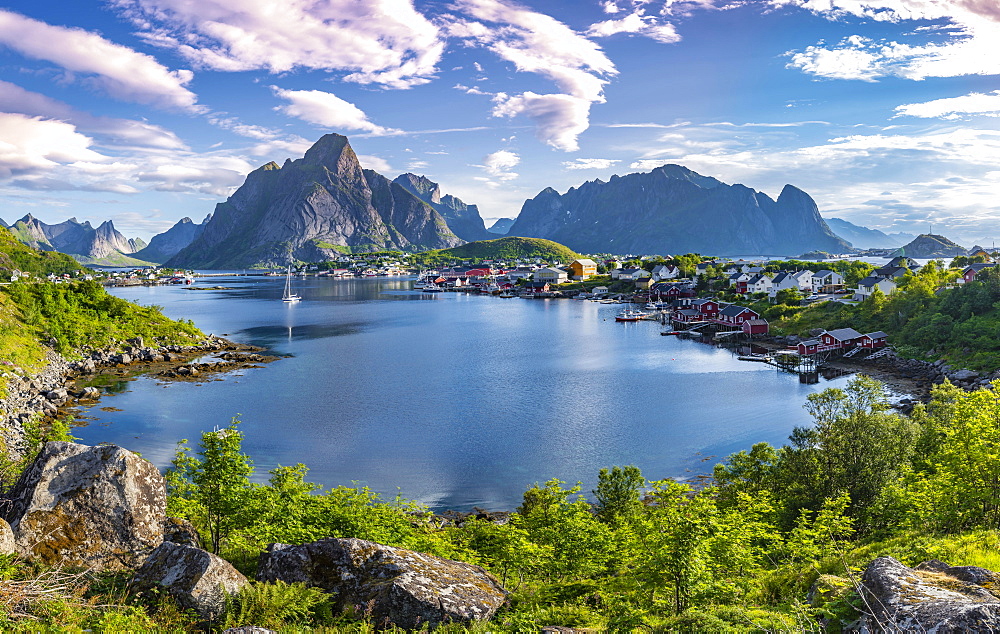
[{"x": 887, "y": 112}]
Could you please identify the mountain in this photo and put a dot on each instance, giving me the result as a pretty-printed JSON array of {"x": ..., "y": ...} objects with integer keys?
[
  {"x": 931, "y": 245},
  {"x": 313, "y": 209},
  {"x": 675, "y": 210},
  {"x": 865, "y": 238},
  {"x": 103, "y": 245},
  {"x": 164, "y": 246},
  {"x": 502, "y": 226},
  {"x": 464, "y": 220}
]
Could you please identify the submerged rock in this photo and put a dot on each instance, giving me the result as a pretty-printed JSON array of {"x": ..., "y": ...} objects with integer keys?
[
  {"x": 391, "y": 585},
  {"x": 927, "y": 599},
  {"x": 197, "y": 579},
  {"x": 100, "y": 507}
]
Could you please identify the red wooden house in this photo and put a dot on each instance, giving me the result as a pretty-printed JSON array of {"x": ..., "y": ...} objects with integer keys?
[
  {"x": 873, "y": 340},
  {"x": 733, "y": 315},
  {"x": 839, "y": 339},
  {"x": 971, "y": 271},
  {"x": 810, "y": 346},
  {"x": 755, "y": 327}
]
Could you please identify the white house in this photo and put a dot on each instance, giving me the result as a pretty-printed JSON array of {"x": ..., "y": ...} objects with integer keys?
[
  {"x": 628, "y": 274},
  {"x": 759, "y": 283},
  {"x": 804, "y": 278},
  {"x": 868, "y": 285},
  {"x": 663, "y": 272},
  {"x": 827, "y": 281},
  {"x": 551, "y": 275},
  {"x": 783, "y": 280}
]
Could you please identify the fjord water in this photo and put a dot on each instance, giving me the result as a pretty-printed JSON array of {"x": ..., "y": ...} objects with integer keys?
[{"x": 454, "y": 400}]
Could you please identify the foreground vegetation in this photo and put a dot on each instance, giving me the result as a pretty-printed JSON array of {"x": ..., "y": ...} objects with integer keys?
[{"x": 736, "y": 553}]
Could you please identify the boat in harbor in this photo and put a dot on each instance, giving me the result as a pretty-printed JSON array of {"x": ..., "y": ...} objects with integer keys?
[
  {"x": 288, "y": 296},
  {"x": 432, "y": 288},
  {"x": 631, "y": 315}
]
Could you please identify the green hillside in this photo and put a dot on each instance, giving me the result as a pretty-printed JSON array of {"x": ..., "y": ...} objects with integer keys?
[
  {"x": 15, "y": 255},
  {"x": 510, "y": 248}
]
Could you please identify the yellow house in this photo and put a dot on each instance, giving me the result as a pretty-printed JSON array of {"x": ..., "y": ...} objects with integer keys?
[
  {"x": 582, "y": 269},
  {"x": 644, "y": 283}
]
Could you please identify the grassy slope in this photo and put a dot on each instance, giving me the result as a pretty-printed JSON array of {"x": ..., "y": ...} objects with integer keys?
[
  {"x": 510, "y": 248},
  {"x": 15, "y": 255}
]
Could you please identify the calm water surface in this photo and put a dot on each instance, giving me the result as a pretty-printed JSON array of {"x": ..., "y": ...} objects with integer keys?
[{"x": 456, "y": 400}]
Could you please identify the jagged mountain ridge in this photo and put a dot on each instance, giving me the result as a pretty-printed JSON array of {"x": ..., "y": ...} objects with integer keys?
[
  {"x": 862, "y": 237},
  {"x": 464, "y": 220},
  {"x": 164, "y": 246},
  {"x": 79, "y": 239},
  {"x": 312, "y": 209},
  {"x": 675, "y": 210}
]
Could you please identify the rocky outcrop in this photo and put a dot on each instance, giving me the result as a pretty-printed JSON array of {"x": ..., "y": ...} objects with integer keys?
[
  {"x": 934, "y": 597},
  {"x": 391, "y": 585},
  {"x": 100, "y": 507},
  {"x": 464, "y": 220},
  {"x": 198, "y": 580},
  {"x": 8, "y": 543},
  {"x": 164, "y": 246},
  {"x": 675, "y": 210},
  {"x": 311, "y": 209},
  {"x": 929, "y": 245}
]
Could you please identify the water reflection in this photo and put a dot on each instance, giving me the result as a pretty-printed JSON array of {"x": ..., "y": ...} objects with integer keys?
[{"x": 458, "y": 400}]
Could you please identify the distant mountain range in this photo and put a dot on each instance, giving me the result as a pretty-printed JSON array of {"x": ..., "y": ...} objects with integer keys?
[
  {"x": 501, "y": 226},
  {"x": 103, "y": 245},
  {"x": 314, "y": 209},
  {"x": 166, "y": 245},
  {"x": 865, "y": 238},
  {"x": 675, "y": 210}
]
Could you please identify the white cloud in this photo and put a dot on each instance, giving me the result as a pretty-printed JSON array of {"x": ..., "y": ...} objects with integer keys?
[
  {"x": 249, "y": 131},
  {"x": 376, "y": 163},
  {"x": 118, "y": 70},
  {"x": 500, "y": 163},
  {"x": 386, "y": 42},
  {"x": 645, "y": 164},
  {"x": 537, "y": 43},
  {"x": 955, "y": 107},
  {"x": 637, "y": 23},
  {"x": 417, "y": 165},
  {"x": 590, "y": 164},
  {"x": 559, "y": 119},
  {"x": 327, "y": 110},
  {"x": 968, "y": 48},
  {"x": 32, "y": 145},
  {"x": 110, "y": 131}
]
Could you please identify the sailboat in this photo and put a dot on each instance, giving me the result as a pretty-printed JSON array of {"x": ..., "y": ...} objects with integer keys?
[{"x": 288, "y": 295}]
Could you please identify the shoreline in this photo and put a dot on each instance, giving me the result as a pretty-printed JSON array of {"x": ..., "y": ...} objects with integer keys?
[{"x": 58, "y": 387}]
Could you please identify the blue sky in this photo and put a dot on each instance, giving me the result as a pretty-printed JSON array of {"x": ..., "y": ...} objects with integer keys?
[{"x": 145, "y": 111}]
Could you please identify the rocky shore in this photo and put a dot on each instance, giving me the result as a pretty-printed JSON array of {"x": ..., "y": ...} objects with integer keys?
[{"x": 60, "y": 383}]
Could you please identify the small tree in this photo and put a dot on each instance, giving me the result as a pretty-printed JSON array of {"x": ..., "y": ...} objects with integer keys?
[
  {"x": 212, "y": 488},
  {"x": 618, "y": 493}
]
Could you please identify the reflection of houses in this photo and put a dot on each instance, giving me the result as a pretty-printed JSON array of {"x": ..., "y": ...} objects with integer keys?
[
  {"x": 582, "y": 269},
  {"x": 867, "y": 286}
]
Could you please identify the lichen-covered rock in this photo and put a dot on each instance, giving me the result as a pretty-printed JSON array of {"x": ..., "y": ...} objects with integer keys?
[
  {"x": 391, "y": 585},
  {"x": 8, "y": 546},
  {"x": 197, "y": 579},
  {"x": 181, "y": 531},
  {"x": 100, "y": 507},
  {"x": 902, "y": 599}
]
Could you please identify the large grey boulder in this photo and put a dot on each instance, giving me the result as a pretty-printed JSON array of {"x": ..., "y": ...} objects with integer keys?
[
  {"x": 8, "y": 545},
  {"x": 902, "y": 599},
  {"x": 392, "y": 585},
  {"x": 197, "y": 579},
  {"x": 100, "y": 507}
]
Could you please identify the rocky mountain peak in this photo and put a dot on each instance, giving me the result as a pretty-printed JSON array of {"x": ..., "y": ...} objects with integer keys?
[
  {"x": 333, "y": 152},
  {"x": 420, "y": 185}
]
